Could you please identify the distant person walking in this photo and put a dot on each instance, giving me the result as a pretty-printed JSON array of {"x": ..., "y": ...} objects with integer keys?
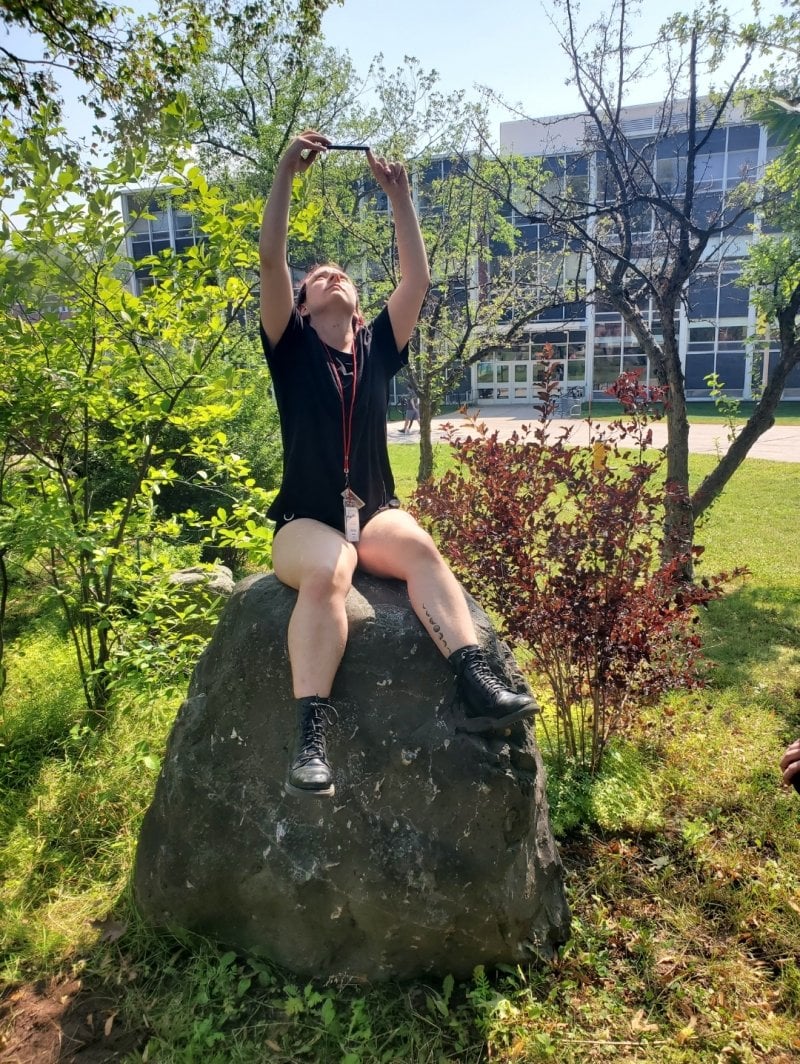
[{"x": 411, "y": 412}]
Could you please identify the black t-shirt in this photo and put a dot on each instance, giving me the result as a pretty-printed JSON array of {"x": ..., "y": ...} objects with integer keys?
[{"x": 310, "y": 410}]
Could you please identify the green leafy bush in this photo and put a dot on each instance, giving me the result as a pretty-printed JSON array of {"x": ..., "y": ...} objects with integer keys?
[{"x": 112, "y": 404}]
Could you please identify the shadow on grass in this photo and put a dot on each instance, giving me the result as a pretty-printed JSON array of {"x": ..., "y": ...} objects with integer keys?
[
  {"x": 176, "y": 995},
  {"x": 749, "y": 627}
]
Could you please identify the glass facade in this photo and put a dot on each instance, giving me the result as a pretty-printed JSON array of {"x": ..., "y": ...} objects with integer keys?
[
  {"x": 591, "y": 344},
  {"x": 156, "y": 224},
  {"x": 515, "y": 374}
]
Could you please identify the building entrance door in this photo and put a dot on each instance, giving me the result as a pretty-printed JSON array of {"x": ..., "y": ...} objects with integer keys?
[
  {"x": 506, "y": 382},
  {"x": 521, "y": 382}
]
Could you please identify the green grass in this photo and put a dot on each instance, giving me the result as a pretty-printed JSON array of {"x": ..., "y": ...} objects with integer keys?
[
  {"x": 684, "y": 878},
  {"x": 405, "y": 462},
  {"x": 702, "y": 412}
]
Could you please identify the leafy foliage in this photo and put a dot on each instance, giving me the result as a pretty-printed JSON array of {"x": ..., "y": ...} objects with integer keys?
[
  {"x": 562, "y": 544},
  {"x": 109, "y": 399},
  {"x": 772, "y": 266},
  {"x": 261, "y": 81},
  {"x": 128, "y": 66},
  {"x": 782, "y": 117},
  {"x": 684, "y": 903},
  {"x": 484, "y": 289}
]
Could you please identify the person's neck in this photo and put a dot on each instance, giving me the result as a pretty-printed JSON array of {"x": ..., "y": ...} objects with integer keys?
[{"x": 334, "y": 331}]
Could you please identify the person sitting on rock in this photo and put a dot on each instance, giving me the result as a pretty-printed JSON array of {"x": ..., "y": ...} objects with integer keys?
[
  {"x": 790, "y": 765},
  {"x": 336, "y": 508}
]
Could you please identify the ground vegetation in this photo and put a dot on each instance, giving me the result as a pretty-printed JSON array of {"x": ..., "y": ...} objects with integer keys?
[
  {"x": 682, "y": 854},
  {"x": 562, "y": 544}
]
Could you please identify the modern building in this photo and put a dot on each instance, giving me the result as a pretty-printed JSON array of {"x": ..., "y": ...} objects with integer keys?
[
  {"x": 586, "y": 343},
  {"x": 154, "y": 223},
  {"x": 590, "y": 342}
]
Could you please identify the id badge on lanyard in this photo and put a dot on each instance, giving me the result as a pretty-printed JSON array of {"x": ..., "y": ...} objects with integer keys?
[{"x": 352, "y": 526}]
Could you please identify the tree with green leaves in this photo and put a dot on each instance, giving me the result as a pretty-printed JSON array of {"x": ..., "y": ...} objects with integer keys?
[
  {"x": 260, "y": 81},
  {"x": 104, "y": 393},
  {"x": 125, "y": 66},
  {"x": 259, "y": 84},
  {"x": 650, "y": 223},
  {"x": 110, "y": 402},
  {"x": 486, "y": 287},
  {"x": 772, "y": 267}
]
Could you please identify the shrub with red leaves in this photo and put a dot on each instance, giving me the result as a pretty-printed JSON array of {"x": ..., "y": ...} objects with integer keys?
[{"x": 562, "y": 544}]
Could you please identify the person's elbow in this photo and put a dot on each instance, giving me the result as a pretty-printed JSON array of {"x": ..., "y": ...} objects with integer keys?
[
  {"x": 272, "y": 266},
  {"x": 419, "y": 281}
]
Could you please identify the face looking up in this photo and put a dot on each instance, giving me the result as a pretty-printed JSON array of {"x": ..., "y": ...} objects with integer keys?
[{"x": 326, "y": 288}]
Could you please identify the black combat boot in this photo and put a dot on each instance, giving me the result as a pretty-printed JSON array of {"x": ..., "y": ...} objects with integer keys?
[
  {"x": 310, "y": 773},
  {"x": 488, "y": 704}
]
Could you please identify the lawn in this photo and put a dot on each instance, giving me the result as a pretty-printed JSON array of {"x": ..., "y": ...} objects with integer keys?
[
  {"x": 684, "y": 878},
  {"x": 701, "y": 411},
  {"x": 704, "y": 411}
]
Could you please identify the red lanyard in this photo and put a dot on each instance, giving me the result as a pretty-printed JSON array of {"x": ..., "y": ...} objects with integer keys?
[{"x": 347, "y": 419}]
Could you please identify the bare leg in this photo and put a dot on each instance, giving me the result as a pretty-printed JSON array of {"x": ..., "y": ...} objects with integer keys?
[
  {"x": 319, "y": 563},
  {"x": 393, "y": 545}
]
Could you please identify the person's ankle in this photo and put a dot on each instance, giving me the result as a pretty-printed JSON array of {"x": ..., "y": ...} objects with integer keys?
[
  {"x": 310, "y": 772},
  {"x": 489, "y": 703}
]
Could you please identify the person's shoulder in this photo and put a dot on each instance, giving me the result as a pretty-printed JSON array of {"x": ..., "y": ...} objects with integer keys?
[
  {"x": 379, "y": 330},
  {"x": 381, "y": 345},
  {"x": 294, "y": 333}
]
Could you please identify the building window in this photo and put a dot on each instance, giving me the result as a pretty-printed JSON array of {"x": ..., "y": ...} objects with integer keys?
[
  {"x": 717, "y": 344},
  {"x": 156, "y": 224}
]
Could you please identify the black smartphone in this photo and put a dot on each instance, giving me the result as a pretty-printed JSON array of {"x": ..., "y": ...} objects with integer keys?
[{"x": 348, "y": 147}]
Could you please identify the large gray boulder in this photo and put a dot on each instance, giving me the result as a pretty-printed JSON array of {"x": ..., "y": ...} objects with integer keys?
[{"x": 434, "y": 855}]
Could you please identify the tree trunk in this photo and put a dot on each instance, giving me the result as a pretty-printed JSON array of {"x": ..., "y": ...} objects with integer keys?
[
  {"x": 425, "y": 468},
  {"x": 678, "y": 513}
]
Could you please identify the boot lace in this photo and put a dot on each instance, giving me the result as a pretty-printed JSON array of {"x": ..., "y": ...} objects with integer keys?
[
  {"x": 317, "y": 718},
  {"x": 475, "y": 663}
]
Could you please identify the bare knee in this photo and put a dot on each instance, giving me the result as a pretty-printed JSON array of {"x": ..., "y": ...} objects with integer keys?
[
  {"x": 394, "y": 545},
  {"x": 420, "y": 554},
  {"x": 325, "y": 581},
  {"x": 426, "y": 549},
  {"x": 314, "y": 559}
]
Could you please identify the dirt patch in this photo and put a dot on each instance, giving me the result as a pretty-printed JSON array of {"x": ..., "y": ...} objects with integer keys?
[{"x": 63, "y": 1021}]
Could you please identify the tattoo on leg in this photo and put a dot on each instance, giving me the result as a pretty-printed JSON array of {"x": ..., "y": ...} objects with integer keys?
[{"x": 436, "y": 628}]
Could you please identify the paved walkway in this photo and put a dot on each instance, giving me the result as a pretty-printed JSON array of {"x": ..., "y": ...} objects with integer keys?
[{"x": 781, "y": 443}]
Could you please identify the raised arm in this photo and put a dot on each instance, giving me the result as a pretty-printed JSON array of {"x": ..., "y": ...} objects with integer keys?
[
  {"x": 276, "y": 280},
  {"x": 406, "y": 301}
]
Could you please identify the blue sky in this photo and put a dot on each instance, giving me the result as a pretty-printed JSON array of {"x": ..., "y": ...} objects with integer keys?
[{"x": 508, "y": 45}]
